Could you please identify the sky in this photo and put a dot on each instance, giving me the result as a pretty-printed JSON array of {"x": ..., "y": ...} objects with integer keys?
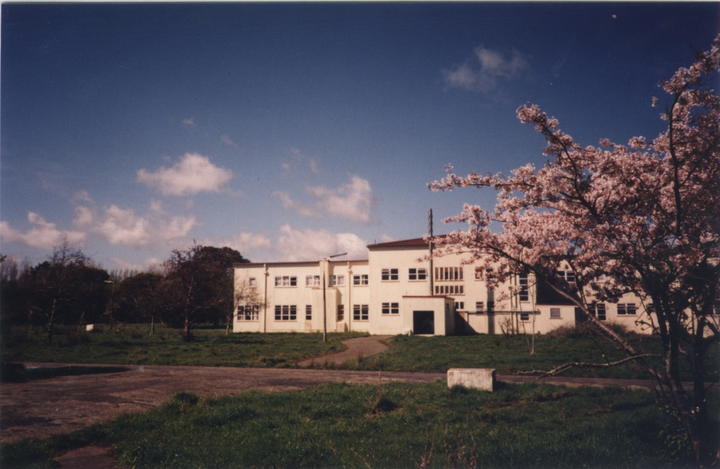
[{"x": 292, "y": 131}]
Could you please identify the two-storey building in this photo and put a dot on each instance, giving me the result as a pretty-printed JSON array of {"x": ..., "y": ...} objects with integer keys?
[{"x": 401, "y": 289}]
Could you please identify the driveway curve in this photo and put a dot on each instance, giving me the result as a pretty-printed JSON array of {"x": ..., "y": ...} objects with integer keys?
[{"x": 357, "y": 348}]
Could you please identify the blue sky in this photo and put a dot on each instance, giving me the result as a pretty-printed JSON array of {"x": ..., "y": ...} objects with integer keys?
[{"x": 292, "y": 131}]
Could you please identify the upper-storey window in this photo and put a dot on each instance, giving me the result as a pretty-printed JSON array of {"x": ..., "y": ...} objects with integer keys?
[
  {"x": 361, "y": 279},
  {"x": 312, "y": 280},
  {"x": 524, "y": 292},
  {"x": 285, "y": 281},
  {"x": 337, "y": 280},
  {"x": 626, "y": 308},
  {"x": 252, "y": 282},
  {"x": 389, "y": 274},
  {"x": 568, "y": 276},
  {"x": 448, "y": 273},
  {"x": 417, "y": 274},
  {"x": 450, "y": 289}
]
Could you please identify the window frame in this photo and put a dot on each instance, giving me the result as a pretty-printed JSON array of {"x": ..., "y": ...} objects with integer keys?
[
  {"x": 390, "y": 274},
  {"x": 361, "y": 312}
]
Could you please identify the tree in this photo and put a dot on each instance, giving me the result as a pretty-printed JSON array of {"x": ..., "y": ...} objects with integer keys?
[
  {"x": 642, "y": 218},
  {"x": 202, "y": 278},
  {"x": 66, "y": 288},
  {"x": 139, "y": 298}
]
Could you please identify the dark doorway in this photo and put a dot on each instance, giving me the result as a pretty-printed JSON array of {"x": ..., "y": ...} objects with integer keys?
[{"x": 424, "y": 322}]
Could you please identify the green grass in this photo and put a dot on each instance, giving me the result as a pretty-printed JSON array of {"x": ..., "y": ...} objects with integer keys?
[
  {"x": 131, "y": 344},
  {"x": 396, "y": 425},
  {"x": 509, "y": 354}
]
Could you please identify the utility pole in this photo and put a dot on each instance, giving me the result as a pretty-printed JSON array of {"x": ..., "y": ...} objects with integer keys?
[
  {"x": 430, "y": 243},
  {"x": 324, "y": 311}
]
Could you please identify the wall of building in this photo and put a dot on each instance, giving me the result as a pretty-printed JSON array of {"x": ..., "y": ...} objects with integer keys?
[{"x": 398, "y": 284}]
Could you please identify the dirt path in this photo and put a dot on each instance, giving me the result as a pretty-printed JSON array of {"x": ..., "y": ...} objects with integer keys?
[
  {"x": 356, "y": 348},
  {"x": 62, "y": 404}
]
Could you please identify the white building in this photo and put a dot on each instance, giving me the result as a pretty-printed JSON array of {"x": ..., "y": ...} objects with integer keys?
[{"x": 400, "y": 290}]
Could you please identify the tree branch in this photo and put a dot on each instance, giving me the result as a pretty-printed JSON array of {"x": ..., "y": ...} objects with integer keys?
[{"x": 566, "y": 366}]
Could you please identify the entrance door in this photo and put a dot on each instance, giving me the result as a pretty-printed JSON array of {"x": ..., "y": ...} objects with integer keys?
[{"x": 424, "y": 322}]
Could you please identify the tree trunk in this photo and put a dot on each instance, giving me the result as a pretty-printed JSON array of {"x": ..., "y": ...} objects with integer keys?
[
  {"x": 187, "y": 333},
  {"x": 51, "y": 322},
  {"x": 152, "y": 325}
]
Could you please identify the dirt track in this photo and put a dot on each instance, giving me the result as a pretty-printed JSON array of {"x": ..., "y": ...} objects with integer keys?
[{"x": 61, "y": 404}]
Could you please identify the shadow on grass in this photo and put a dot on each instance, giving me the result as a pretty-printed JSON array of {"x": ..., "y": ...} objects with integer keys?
[{"x": 17, "y": 373}]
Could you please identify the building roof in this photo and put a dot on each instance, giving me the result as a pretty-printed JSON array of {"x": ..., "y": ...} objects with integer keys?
[{"x": 403, "y": 243}]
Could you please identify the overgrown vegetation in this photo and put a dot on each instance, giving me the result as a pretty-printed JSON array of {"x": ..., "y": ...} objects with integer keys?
[
  {"x": 132, "y": 344},
  {"x": 396, "y": 425}
]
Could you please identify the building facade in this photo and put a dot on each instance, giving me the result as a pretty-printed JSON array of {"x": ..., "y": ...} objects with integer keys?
[{"x": 400, "y": 289}]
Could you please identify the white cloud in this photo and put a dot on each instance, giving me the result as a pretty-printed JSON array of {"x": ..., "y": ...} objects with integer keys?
[
  {"x": 227, "y": 140},
  {"x": 189, "y": 122},
  {"x": 485, "y": 69},
  {"x": 352, "y": 201},
  {"x": 312, "y": 162},
  {"x": 84, "y": 216},
  {"x": 122, "y": 226},
  {"x": 192, "y": 174},
  {"x": 301, "y": 208},
  {"x": 82, "y": 196},
  {"x": 307, "y": 244},
  {"x": 245, "y": 242},
  {"x": 43, "y": 234}
]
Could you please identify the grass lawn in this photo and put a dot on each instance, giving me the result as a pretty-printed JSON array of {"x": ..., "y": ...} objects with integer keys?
[
  {"x": 131, "y": 344},
  {"x": 396, "y": 425},
  {"x": 508, "y": 354}
]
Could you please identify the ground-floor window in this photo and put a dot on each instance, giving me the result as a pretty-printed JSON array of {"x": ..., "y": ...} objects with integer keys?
[
  {"x": 285, "y": 312},
  {"x": 391, "y": 308},
  {"x": 598, "y": 310},
  {"x": 459, "y": 306},
  {"x": 626, "y": 308},
  {"x": 248, "y": 312},
  {"x": 340, "y": 312},
  {"x": 360, "y": 312},
  {"x": 555, "y": 313},
  {"x": 524, "y": 315},
  {"x": 308, "y": 312}
]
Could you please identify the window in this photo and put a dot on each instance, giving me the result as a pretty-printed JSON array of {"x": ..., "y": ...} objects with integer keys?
[
  {"x": 479, "y": 306},
  {"x": 524, "y": 293},
  {"x": 252, "y": 281},
  {"x": 459, "y": 306},
  {"x": 337, "y": 280},
  {"x": 626, "y": 308},
  {"x": 555, "y": 313},
  {"x": 389, "y": 274},
  {"x": 598, "y": 310},
  {"x": 417, "y": 274},
  {"x": 308, "y": 312},
  {"x": 524, "y": 315},
  {"x": 478, "y": 273},
  {"x": 491, "y": 306},
  {"x": 360, "y": 279},
  {"x": 567, "y": 275},
  {"x": 248, "y": 312},
  {"x": 448, "y": 273},
  {"x": 312, "y": 281},
  {"x": 391, "y": 308},
  {"x": 360, "y": 312},
  {"x": 340, "y": 312},
  {"x": 449, "y": 289},
  {"x": 285, "y": 312},
  {"x": 285, "y": 281}
]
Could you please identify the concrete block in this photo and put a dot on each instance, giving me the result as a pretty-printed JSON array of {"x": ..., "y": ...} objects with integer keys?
[{"x": 472, "y": 378}]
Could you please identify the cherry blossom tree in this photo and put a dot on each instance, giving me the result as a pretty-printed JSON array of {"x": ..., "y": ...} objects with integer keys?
[{"x": 642, "y": 218}]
